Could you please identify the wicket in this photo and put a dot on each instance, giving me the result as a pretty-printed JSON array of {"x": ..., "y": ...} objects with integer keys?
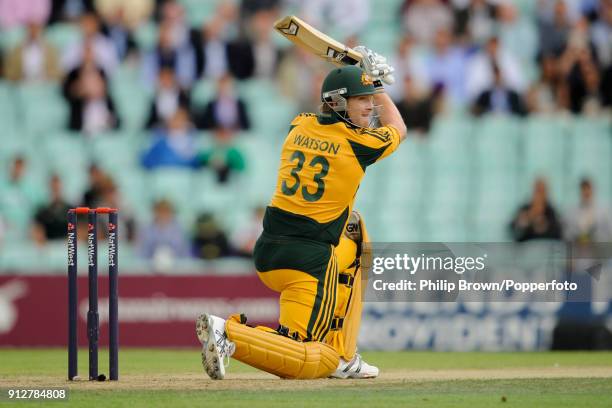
[{"x": 93, "y": 323}]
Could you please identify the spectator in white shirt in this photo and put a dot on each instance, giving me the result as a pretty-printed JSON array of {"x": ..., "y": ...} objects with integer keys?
[
  {"x": 423, "y": 19},
  {"x": 589, "y": 222},
  {"x": 105, "y": 54},
  {"x": 348, "y": 17},
  {"x": 480, "y": 75}
]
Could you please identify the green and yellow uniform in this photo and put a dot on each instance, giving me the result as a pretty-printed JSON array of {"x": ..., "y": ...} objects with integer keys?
[
  {"x": 302, "y": 252},
  {"x": 302, "y": 248}
]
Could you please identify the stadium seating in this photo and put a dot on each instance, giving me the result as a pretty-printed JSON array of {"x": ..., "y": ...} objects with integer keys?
[
  {"x": 41, "y": 108},
  {"x": 131, "y": 99},
  {"x": 197, "y": 11},
  {"x": 61, "y": 35},
  {"x": 589, "y": 155},
  {"x": 203, "y": 91},
  {"x": 462, "y": 182},
  {"x": 544, "y": 147}
]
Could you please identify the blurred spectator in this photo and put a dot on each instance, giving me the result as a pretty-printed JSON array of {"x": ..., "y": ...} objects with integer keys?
[
  {"x": 476, "y": 21},
  {"x": 34, "y": 59},
  {"x": 480, "y": 74},
  {"x": 210, "y": 49},
  {"x": 424, "y": 19},
  {"x": 549, "y": 10},
  {"x": 588, "y": 222},
  {"x": 254, "y": 53},
  {"x": 300, "y": 75},
  {"x": 173, "y": 16},
  {"x": 110, "y": 196},
  {"x": 132, "y": 13},
  {"x": 553, "y": 27},
  {"x": 210, "y": 43},
  {"x": 103, "y": 49},
  {"x": 244, "y": 238},
  {"x": 50, "y": 219},
  {"x": 601, "y": 34},
  {"x": 164, "y": 239},
  {"x": 223, "y": 157},
  {"x": 173, "y": 53},
  {"x": 19, "y": 198},
  {"x": 173, "y": 145},
  {"x": 407, "y": 62},
  {"x": 250, "y": 7},
  {"x": 209, "y": 240},
  {"x": 349, "y": 17},
  {"x": 266, "y": 54},
  {"x": 97, "y": 182},
  {"x": 606, "y": 88},
  {"x": 499, "y": 98},
  {"x": 168, "y": 98},
  {"x": 15, "y": 13},
  {"x": 417, "y": 106},
  {"x": 446, "y": 67},
  {"x": 579, "y": 71},
  {"x": 547, "y": 94},
  {"x": 91, "y": 107},
  {"x": 240, "y": 58},
  {"x": 70, "y": 10},
  {"x": 536, "y": 219},
  {"x": 227, "y": 110},
  {"x": 117, "y": 28}
]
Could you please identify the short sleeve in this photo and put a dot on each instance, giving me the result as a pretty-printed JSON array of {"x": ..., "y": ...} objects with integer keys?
[{"x": 373, "y": 144}]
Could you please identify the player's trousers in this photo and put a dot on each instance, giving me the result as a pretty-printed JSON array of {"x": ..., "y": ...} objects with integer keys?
[{"x": 321, "y": 305}]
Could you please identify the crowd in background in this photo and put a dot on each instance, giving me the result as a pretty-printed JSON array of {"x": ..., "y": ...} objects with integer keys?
[
  {"x": 484, "y": 55},
  {"x": 585, "y": 224},
  {"x": 473, "y": 56},
  {"x": 487, "y": 56}
]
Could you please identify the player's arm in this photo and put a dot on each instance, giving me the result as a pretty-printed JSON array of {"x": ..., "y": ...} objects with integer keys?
[
  {"x": 377, "y": 68},
  {"x": 389, "y": 115}
]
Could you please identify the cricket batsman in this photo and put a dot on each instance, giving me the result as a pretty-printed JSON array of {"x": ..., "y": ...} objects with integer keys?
[{"x": 310, "y": 247}]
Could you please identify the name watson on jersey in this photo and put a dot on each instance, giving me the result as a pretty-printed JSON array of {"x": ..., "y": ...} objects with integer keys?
[{"x": 316, "y": 144}]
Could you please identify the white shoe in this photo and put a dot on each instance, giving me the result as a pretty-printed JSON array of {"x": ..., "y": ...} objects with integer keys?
[
  {"x": 356, "y": 368},
  {"x": 215, "y": 346}
]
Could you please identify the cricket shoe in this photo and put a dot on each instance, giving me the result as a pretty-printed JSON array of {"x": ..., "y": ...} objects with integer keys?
[
  {"x": 356, "y": 368},
  {"x": 216, "y": 348}
]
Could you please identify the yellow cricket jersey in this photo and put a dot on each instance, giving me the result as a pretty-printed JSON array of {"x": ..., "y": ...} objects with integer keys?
[{"x": 322, "y": 163}]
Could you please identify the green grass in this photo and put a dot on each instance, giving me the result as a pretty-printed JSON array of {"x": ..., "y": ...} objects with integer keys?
[
  {"x": 180, "y": 381},
  {"x": 518, "y": 393}
]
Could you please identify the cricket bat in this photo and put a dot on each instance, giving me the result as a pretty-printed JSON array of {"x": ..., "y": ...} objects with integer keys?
[{"x": 308, "y": 37}]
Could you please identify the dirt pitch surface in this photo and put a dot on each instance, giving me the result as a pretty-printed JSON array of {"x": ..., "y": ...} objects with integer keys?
[
  {"x": 159, "y": 378},
  {"x": 263, "y": 381}
]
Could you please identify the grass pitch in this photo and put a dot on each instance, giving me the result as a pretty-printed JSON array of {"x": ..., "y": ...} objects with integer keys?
[{"x": 162, "y": 378}]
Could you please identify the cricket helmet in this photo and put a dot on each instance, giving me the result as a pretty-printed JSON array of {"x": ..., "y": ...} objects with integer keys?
[{"x": 346, "y": 81}]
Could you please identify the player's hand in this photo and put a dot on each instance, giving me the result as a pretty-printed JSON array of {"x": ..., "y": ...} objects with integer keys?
[{"x": 375, "y": 65}]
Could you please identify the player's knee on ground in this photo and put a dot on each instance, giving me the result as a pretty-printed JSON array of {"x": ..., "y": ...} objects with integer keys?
[{"x": 279, "y": 355}]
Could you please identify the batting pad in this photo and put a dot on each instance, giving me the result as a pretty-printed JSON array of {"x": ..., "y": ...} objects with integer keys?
[
  {"x": 268, "y": 351},
  {"x": 349, "y": 307}
]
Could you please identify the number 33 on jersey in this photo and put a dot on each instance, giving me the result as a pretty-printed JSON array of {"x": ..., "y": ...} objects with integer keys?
[{"x": 322, "y": 163}]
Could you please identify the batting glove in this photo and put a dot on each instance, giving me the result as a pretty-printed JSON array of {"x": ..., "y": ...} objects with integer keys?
[{"x": 375, "y": 65}]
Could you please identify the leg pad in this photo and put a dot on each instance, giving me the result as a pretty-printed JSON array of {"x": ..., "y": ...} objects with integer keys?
[{"x": 279, "y": 355}]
